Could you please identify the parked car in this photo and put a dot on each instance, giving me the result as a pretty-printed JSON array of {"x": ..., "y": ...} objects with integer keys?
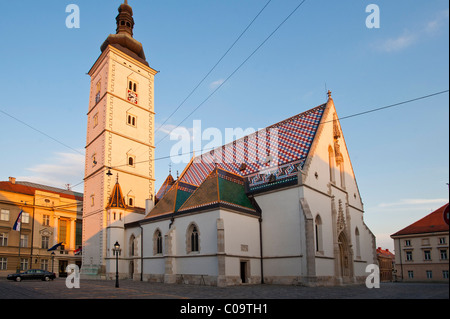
[{"x": 32, "y": 274}]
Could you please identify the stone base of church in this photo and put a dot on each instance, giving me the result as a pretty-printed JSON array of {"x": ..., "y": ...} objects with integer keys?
[
  {"x": 202, "y": 280},
  {"x": 92, "y": 272}
]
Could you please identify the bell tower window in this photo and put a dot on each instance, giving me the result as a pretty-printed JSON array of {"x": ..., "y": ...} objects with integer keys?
[{"x": 131, "y": 120}]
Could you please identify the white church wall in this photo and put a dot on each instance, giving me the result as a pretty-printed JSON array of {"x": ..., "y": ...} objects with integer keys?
[
  {"x": 283, "y": 233},
  {"x": 241, "y": 234},
  {"x": 203, "y": 262},
  {"x": 154, "y": 264},
  {"x": 92, "y": 231},
  {"x": 242, "y": 244}
]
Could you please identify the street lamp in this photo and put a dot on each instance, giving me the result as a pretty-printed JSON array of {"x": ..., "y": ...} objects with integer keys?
[
  {"x": 116, "y": 251},
  {"x": 53, "y": 259}
]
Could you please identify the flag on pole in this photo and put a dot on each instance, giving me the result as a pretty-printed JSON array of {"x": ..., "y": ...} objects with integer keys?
[
  {"x": 18, "y": 222},
  {"x": 77, "y": 251},
  {"x": 55, "y": 246}
]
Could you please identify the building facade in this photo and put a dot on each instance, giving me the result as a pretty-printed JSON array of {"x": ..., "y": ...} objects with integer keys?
[
  {"x": 422, "y": 249},
  {"x": 49, "y": 216},
  {"x": 119, "y": 138},
  {"x": 280, "y": 205},
  {"x": 386, "y": 264}
]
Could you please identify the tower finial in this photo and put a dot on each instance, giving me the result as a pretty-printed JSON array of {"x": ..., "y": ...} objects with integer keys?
[
  {"x": 125, "y": 21},
  {"x": 329, "y": 94}
]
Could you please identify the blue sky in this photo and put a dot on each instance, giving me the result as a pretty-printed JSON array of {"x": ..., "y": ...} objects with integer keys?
[{"x": 400, "y": 155}]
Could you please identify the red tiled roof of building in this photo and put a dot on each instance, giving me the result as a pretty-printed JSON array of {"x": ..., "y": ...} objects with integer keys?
[
  {"x": 384, "y": 253},
  {"x": 433, "y": 222},
  {"x": 29, "y": 190}
]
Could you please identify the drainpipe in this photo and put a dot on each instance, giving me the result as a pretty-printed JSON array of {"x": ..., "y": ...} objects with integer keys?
[
  {"x": 142, "y": 252},
  {"x": 400, "y": 253},
  {"x": 261, "y": 249}
]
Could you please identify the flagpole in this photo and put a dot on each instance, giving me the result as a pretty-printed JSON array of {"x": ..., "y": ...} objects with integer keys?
[{"x": 20, "y": 238}]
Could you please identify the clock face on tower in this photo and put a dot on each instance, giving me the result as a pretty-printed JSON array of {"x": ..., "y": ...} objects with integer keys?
[{"x": 132, "y": 97}]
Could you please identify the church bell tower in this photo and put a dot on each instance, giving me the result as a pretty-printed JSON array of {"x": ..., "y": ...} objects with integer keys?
[{"x": 119, "y": 142}]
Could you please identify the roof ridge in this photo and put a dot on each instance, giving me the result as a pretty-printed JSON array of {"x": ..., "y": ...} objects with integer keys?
[{"x": 432, "y": 222}]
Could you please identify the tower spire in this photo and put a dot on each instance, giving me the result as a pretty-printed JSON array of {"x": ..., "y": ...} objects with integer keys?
[
  {"x": 124, "y": 20},
  {"x": 123, "y": 39}
]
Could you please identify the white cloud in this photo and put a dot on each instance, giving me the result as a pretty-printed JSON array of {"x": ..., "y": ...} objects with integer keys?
[
  {"x": 408, "y": 38},
  {"x": 170, "y": 128},
  {"x": 216, "y": 84},
  {"x": 399, "y": 43},
  {"x": 62, "y": 169},
  {"x": 437, "y": 23},
  {"x": 414, "y": 203}
]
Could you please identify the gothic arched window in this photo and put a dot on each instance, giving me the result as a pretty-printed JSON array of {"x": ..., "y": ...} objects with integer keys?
[
  {"x": 358, "y": 244},
  {"x": 193, "y": 239},
  {"x": 157, "y": 242},
  {"x": 318, "y": 234}
]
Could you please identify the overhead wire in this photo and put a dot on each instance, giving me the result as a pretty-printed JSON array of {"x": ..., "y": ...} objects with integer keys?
[
  {"x": 235, "y": 70},
  {"x": 321, "y": 123},
  {"x": 213, "y": 68}
]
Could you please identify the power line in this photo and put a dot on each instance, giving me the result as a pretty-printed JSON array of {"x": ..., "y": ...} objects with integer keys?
[
  {"x": 212, "y": 69},
  {"x": 40, "y": 132},
  {"x": 393, "y": 105},
  {"x": 237, "y": 69},
  {"x": 341, "y": 118}
]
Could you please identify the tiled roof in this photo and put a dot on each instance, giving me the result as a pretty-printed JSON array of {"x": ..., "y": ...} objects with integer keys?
[
  {"x": 29, "y": 188},
  {"x": 116, "y": 199},
  {"x": 220, "y": 189},
  {"x": 165, "y": 187},
  {"x": 172, "y": 199},
  {"x": 279, "y": 150},
  {"x": 384, "y": 253},
  {"x": 268, "y": 158},
  {"x": 433, "y": 222}
]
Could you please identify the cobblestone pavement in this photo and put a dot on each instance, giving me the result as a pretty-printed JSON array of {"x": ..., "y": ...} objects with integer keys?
[{"x": 91, "y": 289}]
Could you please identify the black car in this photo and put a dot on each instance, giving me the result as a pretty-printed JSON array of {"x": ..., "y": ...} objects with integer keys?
[{"x": 32, "y": 274}]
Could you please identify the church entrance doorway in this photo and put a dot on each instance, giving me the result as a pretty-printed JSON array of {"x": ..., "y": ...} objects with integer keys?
[
  {"x": 344, "y": 257},
  {"x": 243, "y": 272},
  {"x": 131, "y": 270}
]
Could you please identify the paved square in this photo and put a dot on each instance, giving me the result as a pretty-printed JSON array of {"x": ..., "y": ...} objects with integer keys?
[{"x": 91, "y": 289}]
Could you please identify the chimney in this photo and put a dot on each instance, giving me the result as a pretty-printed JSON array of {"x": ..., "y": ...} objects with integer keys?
[
  {"x": 12, "y": 180},
  {"x": 149, "y": 204}
]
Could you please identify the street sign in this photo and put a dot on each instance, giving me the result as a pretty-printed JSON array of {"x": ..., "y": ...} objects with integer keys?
[{"x": 446, "y": 214}]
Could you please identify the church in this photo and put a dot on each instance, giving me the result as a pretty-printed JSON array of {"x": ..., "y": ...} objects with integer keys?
[{"x": 278, "y": 206}]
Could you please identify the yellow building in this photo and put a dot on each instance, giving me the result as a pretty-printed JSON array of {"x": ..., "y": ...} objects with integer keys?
[{"x": 49, "y": 216}]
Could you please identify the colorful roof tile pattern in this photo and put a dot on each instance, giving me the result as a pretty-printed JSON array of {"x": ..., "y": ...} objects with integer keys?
[
  {"x": 172, "y": 199},
  {"x": 279, "y": 150},
  {"x": 220, "y": 189},
  {"x": 433, "y": 222},
  {"x": 165, "y": 187}
]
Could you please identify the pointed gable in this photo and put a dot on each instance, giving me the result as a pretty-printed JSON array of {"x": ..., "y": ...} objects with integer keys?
[
  {"x": 116, "y": 200},
  {"x": 165, "y": 187},
  {"x": 172, "y": 200},
  {"x": 219, "y": 189}
]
